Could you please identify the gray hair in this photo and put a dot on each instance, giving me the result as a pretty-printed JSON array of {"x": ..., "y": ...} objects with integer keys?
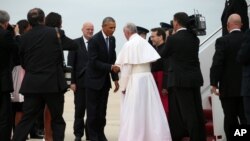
[
  {"x": 4, "y": 17},
  {"x": 130, "y": 27},
  {"x": 108, "y": 19}
]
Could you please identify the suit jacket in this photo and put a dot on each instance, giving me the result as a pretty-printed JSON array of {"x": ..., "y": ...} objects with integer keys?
[
  {"x": 8, "y": 48},
  {"x": 244, "y": 59},
  {"x": 78, "y": 60},
  {"x": 42, "y": 60},
  {"x": 235, "y": 6},
  {"x": 226, "y": 71},
  {"x": 182, "y": 50},
  {"x": 100, "y": 61}
]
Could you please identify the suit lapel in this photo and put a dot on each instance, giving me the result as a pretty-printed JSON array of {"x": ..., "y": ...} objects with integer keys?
[
  {"x": 103, "y": 43},
  {"x": 83, "y": 47}
]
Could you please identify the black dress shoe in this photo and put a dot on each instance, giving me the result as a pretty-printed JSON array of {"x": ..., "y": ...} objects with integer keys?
[
  {"x": 40, "y": 132},
  {"x": 36, "y": 136},
  {"x": 103, "y": 138},
  {"x": 78, "y": 139}
]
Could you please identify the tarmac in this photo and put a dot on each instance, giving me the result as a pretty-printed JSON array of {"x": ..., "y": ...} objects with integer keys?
[{"x": 113, "y": 116}]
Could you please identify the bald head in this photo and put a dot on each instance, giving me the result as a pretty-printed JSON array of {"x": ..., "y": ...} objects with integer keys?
[
  {"x": 234, "y": 18},
  {"x": 234, "y": 22},
  {"x": 88, "y": 30}
]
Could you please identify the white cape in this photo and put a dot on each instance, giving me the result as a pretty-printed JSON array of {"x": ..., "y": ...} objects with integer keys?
[{"x": 137, "y": 51}]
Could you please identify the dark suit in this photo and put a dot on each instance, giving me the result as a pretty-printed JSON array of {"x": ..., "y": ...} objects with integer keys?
[
  {"x": 78, "y": 60},
  {"x": 235, "y": 6},
  {"x": 44, "y": 80},
  {"x": 184, "y": 81},
  {"x": 98, "y": 83},
  {"x": 244, "y": 58},
  {"x": 8, "y": 48},
  {"x": 226, "y": 73}
]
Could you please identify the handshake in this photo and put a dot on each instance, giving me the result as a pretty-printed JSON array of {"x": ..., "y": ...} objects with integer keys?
[{"x": 115, "y": 68}]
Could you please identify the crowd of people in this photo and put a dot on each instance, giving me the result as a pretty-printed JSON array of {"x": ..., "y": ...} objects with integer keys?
[{"x": 159, "y": 79}]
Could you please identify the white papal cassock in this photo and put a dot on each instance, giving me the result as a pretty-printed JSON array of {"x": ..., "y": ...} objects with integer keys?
[{"x": 142, "y": 114}]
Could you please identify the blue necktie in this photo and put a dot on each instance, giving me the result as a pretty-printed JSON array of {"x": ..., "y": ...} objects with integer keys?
[{"x": 107, "y": 43}]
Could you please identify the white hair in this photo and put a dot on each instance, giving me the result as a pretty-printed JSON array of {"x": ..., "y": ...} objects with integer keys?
[{"x": 130, "y": 27}]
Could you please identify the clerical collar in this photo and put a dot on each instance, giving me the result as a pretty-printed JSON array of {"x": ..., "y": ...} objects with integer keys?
[
  {"x": 183, "y": 28},
  {"x": 104, "y": 35},
  {"x": 234, "y": 30}
]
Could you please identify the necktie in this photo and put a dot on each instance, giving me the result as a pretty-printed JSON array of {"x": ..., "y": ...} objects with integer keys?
[
  {"x": 107, "y": 43},
  {"x": 86, "y": 44}
]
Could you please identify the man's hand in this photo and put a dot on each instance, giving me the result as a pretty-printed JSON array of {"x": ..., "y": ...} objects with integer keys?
[
  {"x": 116, "y": 86},
  {"x": 164, "y": 92},
  {"x": 214, "y": 90},
  {"x": 73, "y": 87},
  {"x": 115, "y": 68}
]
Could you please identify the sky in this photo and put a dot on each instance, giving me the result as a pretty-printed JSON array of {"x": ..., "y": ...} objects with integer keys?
[{"x": 146, "y": 13}]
